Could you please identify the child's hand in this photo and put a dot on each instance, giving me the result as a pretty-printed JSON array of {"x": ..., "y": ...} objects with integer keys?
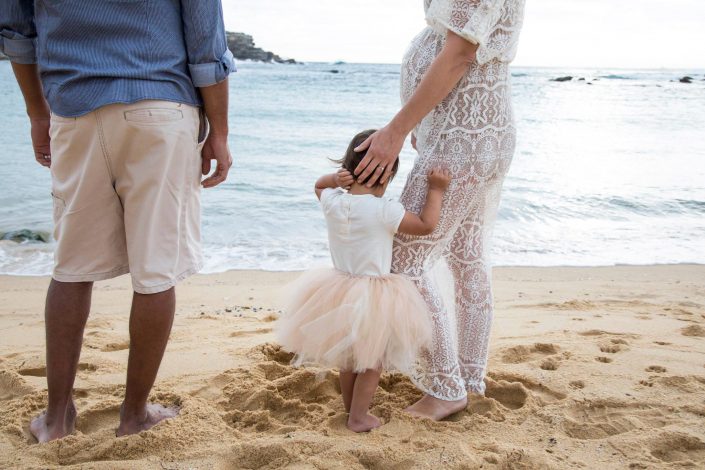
[
  {"x": 344, "y": 179},
  {"x": 438, "y": 179}
]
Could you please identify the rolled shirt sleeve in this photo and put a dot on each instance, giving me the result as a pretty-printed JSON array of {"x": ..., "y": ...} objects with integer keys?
[
  {"x": 17, "y": 31},
  {"x": 210, "y": 61},
  {"x": 473, "y": 20}
]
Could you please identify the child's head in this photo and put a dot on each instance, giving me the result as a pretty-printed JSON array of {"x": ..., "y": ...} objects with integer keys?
[{"x": 352, "y": 158}]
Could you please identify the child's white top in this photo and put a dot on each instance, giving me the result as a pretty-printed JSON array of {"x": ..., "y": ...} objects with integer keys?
[{"x": 361, "y": 231}]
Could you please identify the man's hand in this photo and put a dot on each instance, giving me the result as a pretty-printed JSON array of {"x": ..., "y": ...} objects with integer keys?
[
  {"x": 344, "y": 179},
  {"x": 41, "y": 140},
  {"x": 383, "y": 148},
  {"x": 438, "y": 179},
  {"x": 215, "y": 148}
]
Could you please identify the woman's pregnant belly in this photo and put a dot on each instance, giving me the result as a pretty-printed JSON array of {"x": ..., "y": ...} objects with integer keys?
[{"x": 418, "y": 58}]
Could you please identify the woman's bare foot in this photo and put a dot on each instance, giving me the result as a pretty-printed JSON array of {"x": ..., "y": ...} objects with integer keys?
[
  {"x": 365, "y": 423},
  {"x": 435, "y": 408},
  {"x": 45, "y": 429},
  {"x": 152, "y": 415}
]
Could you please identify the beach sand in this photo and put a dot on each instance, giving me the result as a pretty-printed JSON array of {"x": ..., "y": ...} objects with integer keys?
[{"x": 589, "y": 367}]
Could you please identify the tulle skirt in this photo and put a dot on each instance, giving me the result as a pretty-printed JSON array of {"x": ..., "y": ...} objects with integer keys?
[{"x": 354, "y": 323}]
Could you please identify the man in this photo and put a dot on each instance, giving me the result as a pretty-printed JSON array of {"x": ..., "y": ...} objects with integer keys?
[{"x": 116, "y": 93}]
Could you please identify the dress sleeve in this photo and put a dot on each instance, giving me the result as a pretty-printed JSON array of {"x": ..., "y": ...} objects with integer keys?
[
  {"x": 17, "y": 31},
  {"x": 473, "y": 20},
  {"x": 210, "y": 60},
  {"x": 392, "y": 214}
]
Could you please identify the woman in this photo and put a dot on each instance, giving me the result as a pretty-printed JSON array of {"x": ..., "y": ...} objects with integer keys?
[{"x": 456, "y": 94}]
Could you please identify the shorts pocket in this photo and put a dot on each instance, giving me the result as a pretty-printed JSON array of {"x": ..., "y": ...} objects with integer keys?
[
  {"x": 153, "y": 115},
  {"x": 59, "y": 207},
  {"x": 203, "y": 130}
]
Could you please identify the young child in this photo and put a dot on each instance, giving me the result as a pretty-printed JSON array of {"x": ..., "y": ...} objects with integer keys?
[{"x": 358, "y": 317}]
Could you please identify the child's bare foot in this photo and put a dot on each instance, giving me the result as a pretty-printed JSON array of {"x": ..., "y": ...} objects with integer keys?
[
  {"x": 435, "y": 408},
  {"x": 365, "y": 423},
  {"x": 152, "y": 415},
  {"x": 45, "y": 429}
]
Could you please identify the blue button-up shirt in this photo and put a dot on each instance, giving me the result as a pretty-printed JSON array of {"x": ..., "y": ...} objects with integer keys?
[{"x": 96, "y": 52}]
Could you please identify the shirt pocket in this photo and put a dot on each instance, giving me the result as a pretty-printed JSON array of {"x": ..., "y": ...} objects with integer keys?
[{"x": 154, "y": 116}]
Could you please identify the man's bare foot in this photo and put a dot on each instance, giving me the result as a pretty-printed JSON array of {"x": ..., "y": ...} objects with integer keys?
[
  {"x": 364, "y": 424},
  {"x": 435, "y": 408},
  {"x": 152, "y": 415},
  {"x": 45, "y": 429}
]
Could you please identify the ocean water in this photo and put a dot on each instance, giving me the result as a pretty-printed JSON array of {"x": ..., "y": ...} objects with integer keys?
[{"x": 607, "y": 173}]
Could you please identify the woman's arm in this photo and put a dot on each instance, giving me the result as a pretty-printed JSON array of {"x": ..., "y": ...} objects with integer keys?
[
  {"x": 425, "y": 223},
  {"x": 341, "y": 179},
  {"x": 444, "y": 74}
]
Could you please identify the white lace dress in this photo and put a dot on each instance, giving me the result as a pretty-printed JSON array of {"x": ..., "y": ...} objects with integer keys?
[{"x": 471, "y": 133}]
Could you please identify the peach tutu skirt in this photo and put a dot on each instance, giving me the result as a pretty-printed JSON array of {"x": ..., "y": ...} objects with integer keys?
[{"x": 354, "y": 323}]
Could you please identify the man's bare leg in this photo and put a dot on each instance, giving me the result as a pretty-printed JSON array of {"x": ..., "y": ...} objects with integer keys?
[
  {"x": 435, "y": 408},
  {"x": 151, "y": 319},
  {"x": 360, "y": 419},
  {"x": 66, "y": 312},
  {"x": 347, "y": 384}
]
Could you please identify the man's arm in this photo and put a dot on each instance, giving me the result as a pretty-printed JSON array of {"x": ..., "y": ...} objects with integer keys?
[
  {"x": 17, "y": 41},
  {"x": 27, "y": 76},
  {"x": 210, "y": 62},
  {"x": 215, "y": 105}
]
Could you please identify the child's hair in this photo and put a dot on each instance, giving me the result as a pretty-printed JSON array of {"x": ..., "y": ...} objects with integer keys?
[{"x": 352, "y": 158}]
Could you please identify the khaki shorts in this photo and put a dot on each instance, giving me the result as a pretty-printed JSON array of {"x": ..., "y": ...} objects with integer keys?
[{"x": 126, "y": 190}]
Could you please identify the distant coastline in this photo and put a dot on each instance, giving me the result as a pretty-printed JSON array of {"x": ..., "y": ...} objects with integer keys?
[{"x": 243, "y": 48}]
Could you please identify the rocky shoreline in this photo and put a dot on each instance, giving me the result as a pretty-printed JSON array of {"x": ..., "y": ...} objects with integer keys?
[{"x": 243, "y": 48}]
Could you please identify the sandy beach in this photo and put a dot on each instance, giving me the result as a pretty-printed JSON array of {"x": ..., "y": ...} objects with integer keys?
[{"x": 589, "y": 367}]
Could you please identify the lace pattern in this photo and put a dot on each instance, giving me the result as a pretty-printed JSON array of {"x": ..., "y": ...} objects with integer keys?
[{"x": 471, "y": 133}]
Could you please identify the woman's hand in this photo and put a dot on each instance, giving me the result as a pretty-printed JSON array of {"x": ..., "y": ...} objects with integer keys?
[{"x": 383, "y": 148}]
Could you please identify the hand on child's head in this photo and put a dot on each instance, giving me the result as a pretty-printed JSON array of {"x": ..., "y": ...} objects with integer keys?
[
  {"x": 438, "y": 178},
  {"x": 344, "y": 178}
]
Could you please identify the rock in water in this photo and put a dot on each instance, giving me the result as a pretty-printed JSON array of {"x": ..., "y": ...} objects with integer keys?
[
  {"x": 686, "y": 79},
  {"x": 19, "y": 236},
  {"x": 562, "y": 79},
  {"x": 243, "y": 48}
]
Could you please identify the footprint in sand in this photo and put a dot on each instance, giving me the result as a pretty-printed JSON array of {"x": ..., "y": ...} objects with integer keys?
[
  {"x": 658, "y": 369},
  {"x": 693, "y": 330},
  {"x": 270, "y": 317},
  {"x": 603, "y": 359},
  {"x": 100, "y": 419},
  {"x": 577, "y": 384},
  {"x": 276, "y": 397},
  {"x": 600, "y": 419},
  {"x": 112, "y": 347},
  {"x": 613, "y": 346},
  {"x": 12, "y": 385},
  {"x": 678, "y": 448},
  {"x": 258, "y": 331},
  {"x": 522, "y": 353},
  {"x": 503, "y": 386},
  {"x": 42, "y": 370}
]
